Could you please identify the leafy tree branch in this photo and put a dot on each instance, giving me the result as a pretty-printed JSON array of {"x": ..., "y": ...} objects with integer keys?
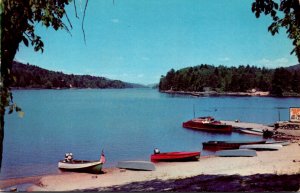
[{"x": 285, "y": 14}]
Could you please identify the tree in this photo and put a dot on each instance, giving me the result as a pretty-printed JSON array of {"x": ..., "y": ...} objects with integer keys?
[
  {"x": 296, "y": 82},
  {"x": 18, "y": 20},
  {"x": 281, "y": 81},
  {"x": 285, "y": 15}
]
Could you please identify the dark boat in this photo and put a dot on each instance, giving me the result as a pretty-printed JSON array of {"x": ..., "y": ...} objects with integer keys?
[
  {"x": 207, "y": 124},
  {"x": 175, "y": 156},
  {"x": 218, "y": 145}
]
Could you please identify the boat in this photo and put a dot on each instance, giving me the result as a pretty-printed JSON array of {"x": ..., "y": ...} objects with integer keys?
[
  {"x": 73, "y": 165},
  {"x": 136, "y": 165},
  {"x": 283, "y": 143},
  {"x": 81, "y": 166},
  {"x": 217, "y": 145},
  {"x": 207, "y": 124},
  {"x": 262, "y": 147},
  {"x": 251, "y": 131},
  {"x": 236, "y": 153},
  {"x": 175, "y": 156}
]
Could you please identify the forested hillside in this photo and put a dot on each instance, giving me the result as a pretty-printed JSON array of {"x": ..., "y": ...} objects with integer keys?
[
  {"x": 279, "y": 81},
  {"x": 30, "y": 76}
]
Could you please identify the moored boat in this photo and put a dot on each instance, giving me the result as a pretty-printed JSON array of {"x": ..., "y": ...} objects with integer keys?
[
  {"x": 217, "y": 145},
  {"x": 236, "y": 153},
  {"x": 262, "y": 147},
  {"x": 136, "y": 165},
  {"x": 207, "y": 124},
  {"x": 175, "y": 156}
]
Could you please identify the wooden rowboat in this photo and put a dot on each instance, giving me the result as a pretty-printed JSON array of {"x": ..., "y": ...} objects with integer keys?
[
  {"x": 81, "y": 166},
  {"x": 136, "y": 165},
  {"x": 236, "y": 153},
  {"x": 175, "y": 156},
  {"x": 262, "y": 147},
  {"x": 218, "y": 145}
]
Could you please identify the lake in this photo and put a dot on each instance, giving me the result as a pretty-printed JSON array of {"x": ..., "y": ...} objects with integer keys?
[{"x": 127, "y": 123}]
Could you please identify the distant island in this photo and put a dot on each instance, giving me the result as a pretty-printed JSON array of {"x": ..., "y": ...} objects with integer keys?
[
  {"x": 33, "y": 77},
  {"x": 247, "y": 80}
]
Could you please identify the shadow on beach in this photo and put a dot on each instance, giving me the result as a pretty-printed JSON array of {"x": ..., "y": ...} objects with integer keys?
[{"x": 213, "y": 183}]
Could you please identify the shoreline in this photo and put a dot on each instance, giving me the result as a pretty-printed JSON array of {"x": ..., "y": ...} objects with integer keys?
[
  {"x": 271, "y": 164},
  {"x": 282, "y": 162},
  {"x": 215, "y": 93}
]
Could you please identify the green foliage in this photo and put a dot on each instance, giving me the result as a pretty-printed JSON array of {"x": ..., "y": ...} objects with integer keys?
[
  {"x": 18, "y": 20},
  {"x": 284, "y": 15},
  {"x": 29, "y": 76},
  {"x": 233, "y": 79}
]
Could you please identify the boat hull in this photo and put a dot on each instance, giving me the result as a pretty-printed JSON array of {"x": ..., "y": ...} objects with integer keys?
[
  {"x": 81, "y": 166},
  {"x": 262, "y": 147},
  {"x": 210, "y": 127},
  {"x": 283, "y": 143},
  {"x": 223, "y": 145},
  {"x": 175, "y": 156},
  {"x": 250, "y": 131},
  {"x": 136, "y": 165},
  {"x": 236, "y": 153}
]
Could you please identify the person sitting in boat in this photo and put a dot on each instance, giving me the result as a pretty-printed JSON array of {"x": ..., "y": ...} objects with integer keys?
[
  {"x": 156, "y": 151},
  {"x": 70, "y": 157}
]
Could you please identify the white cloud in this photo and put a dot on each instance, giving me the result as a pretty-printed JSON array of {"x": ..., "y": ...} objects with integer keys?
[
  {"x": 279, "y": 62},
  {"x": 224, "y": 59},
  {"x": 140, "y": 75},
  {"x": 115, "y": 20}
]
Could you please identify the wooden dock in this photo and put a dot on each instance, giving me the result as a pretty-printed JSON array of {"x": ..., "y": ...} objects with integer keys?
[{"x": 248, "y": 125}]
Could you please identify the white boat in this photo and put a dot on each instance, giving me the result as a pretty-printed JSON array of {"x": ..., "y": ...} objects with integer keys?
[
  {"x": 262, "y": 147},
  {"x": 81, "y": 166},
  {"x": 251, "y": 131},
  {"x": 73, "y": 165},
  {"x": 236, "y": 153},
  {"x": 283, "y": 143},
  {"x": 136, "y": 165}
]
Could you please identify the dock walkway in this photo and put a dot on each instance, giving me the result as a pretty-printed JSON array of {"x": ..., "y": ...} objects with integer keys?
[{"x": 248, "y": 125}]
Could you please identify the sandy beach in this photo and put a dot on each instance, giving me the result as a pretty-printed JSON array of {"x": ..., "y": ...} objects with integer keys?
[
  {"x": 281, "y": 167},
  {"x": 281, "y": 162}
]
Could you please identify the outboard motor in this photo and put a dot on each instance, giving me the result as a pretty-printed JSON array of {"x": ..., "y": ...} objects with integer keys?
[
  {"x": 66, "y": 157},
  {"x": 156, "y": 151}
]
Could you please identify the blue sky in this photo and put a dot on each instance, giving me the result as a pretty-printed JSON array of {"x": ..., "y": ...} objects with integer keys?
[{"x": 140, "y": 40}]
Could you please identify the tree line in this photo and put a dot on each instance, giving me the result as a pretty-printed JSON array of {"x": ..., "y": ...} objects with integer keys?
[
  {"x": 279, "y": 82},
  {"x": 30, "y": 76}
]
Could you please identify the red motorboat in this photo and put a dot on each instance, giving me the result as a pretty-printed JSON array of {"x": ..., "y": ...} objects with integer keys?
[
  {"x": 207, "y": 124},
  {"x": 220, "y": 145},
  {"x": 175, "y": 156}
]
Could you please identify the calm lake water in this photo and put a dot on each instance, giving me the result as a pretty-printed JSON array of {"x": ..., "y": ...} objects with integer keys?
[{"x": 127, "y": 123}]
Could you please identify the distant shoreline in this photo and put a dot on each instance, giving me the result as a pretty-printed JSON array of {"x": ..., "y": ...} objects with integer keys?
[
  {"x": 73, "y": 88},
  {"x": 215, "y": 93}
]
